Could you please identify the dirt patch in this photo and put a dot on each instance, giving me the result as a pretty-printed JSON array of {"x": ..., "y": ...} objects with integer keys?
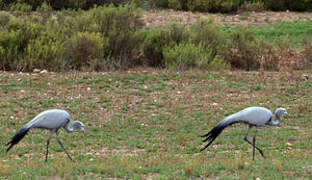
[
  {"x": 120, "y": 152},
  {"x": 154, "y": 18}
]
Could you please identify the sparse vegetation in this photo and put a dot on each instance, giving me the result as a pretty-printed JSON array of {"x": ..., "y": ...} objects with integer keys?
[{"x": 146, "y": 124}]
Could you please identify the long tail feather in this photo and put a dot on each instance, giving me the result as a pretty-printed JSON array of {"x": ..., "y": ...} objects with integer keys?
[
  {"x": 212, "y": 135},
  {"x": 17, "y": 137},
  {"x": 207, "y": 134}
]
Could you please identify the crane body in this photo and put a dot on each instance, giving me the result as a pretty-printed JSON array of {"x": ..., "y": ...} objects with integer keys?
[
  {"x": 52, "y": 120},
  {"x": 253, "y": 116}
]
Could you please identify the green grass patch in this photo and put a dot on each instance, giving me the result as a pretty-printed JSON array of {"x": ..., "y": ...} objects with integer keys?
[{"x": 291, "y": 34}]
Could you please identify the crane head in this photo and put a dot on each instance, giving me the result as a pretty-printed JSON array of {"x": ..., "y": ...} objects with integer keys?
[
  {"x": 280, "y": 111},
  {"x": 80, "y": 125}
]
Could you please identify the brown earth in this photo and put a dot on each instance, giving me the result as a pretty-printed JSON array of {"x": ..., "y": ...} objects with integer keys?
[{"x": 154, "y": 18}]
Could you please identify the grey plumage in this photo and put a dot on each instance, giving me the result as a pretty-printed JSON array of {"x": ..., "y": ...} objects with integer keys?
[
  {"x": 52, "y": 120},
  {"x": 253, "y": 116}
]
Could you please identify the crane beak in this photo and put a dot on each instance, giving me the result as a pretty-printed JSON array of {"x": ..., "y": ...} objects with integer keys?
[{"x": 82, "y": 130}]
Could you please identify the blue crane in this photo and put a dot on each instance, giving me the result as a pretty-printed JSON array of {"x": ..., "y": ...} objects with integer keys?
[
  {"x": 253, "y": 116},
  {"x": 52, "y": 120}
]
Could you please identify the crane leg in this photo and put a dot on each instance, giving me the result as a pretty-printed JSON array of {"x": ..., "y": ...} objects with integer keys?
[
  {"x": 253, "y": 144},
  {"x": 59, "y": 141},
  {"x": 47, "y": 152}
]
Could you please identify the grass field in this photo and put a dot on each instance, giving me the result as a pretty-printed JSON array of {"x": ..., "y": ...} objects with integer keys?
[
  {"x": 145, "y": 124},
  {"x": 291, "y": 34}
]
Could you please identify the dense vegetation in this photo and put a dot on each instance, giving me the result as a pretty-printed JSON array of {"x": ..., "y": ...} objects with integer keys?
[
  {"x": 190, "y": 5},
  {"x": 110, "y": 37}
]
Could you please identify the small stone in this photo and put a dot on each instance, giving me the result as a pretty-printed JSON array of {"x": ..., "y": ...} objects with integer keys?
[
  {"x": 36, "y": 70},
  {"x": 305, "y": 77},
  {"x": 43, "y": 71}
]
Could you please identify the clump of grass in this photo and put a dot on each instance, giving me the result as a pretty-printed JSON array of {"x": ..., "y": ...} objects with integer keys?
[
  {"x": 278, "y": 165},
  {"x": 5, "y": 170},
  {"x": 190, "y": 166}
]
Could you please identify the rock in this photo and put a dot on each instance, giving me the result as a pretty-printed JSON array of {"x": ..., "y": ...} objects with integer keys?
[
  {"x": 43, "y": 71},
  {"x": 36, "y": 71},
  {"x": 305, "y": 77}
]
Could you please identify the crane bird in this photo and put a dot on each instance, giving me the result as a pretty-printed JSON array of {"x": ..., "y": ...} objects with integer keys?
[
  {"x": 253, "y": 116},
  {"x": 52, "y": 120}
]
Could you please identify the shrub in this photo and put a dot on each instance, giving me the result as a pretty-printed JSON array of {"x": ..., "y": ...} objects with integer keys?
[
  {"x": 244, "y": 51},
  {"x": 255, "y": 5},
  {"x": 14, "y": 41},
  {"x": 224, "y": 6},
  {"x": 207, "y": 33},
  {"x": 185, "y": 56},
  {"x": 148, "y": 4},
  {"x": 44, "y": 7},
  {"x": 23, "y": 7},
  {"x": 4, "y": 18},
  {"x": 65, "y": 4},
  {"x": 119, "y": 25},
  {"x": 218, "y": 64},
  {"x": 44, "y": 52},
  {"x": 85, "y": 49},
  {"x": 156, "y": 40},
  {"x": 9, "y": 45},
  {"x": 227, "y": 6},
  {"x": 200, "y": 5}
]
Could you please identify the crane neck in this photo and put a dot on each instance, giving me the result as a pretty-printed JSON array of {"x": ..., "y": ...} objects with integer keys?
[
  {"x": 69, "y": 127},
  {"x": 275, "y": 123}
]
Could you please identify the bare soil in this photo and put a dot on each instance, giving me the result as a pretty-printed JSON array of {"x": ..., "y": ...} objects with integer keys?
[{"x": 154, "y": 18}]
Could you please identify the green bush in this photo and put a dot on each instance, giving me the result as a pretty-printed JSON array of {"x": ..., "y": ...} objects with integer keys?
[
  {"x": 101, "y": 38},
  {"x": 85, "y": 49},
  {"x": 157, "y": 39},
  {"x": 9, "y": 50},
  {"x": 44, "y": 7},
  {"x": 224, "y": 6},
  {"x": 63, "y": 4},
  {"x": 23, "y": 7},
  {"x": 148, "y": 4},
  {"x": 185, "y": 56},
  {"x": 207, "y": 33},
  {"x": 242, "y": 50},
  {"x": 255, "y": 5},
  {"x": 120, "y": 26},
  {"x": 245, "y": 51},
  {"x": 14, "y": 41},
  {"x": 218, "y": 64},
  {"x": 44, "y": 52},
  {"x": 154, "y": 42},
  {"x": 4, "y": 18}
]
